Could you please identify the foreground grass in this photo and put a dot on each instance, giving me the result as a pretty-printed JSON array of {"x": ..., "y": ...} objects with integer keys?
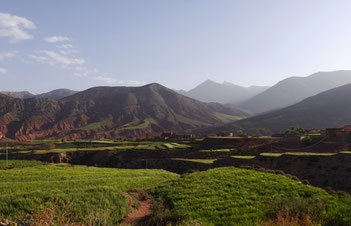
[
  {"x": 19, "y": 163},
  {"x": 231, "y": 196},
  {"x": 91, "y": 190}
]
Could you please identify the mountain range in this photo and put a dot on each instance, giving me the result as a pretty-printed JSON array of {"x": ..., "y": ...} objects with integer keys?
[
  {"x": 110, "y": 112},
  {"x": 328, "y": 109},
  {"x": 54, "y": 94},
  {"x": 295, "y": 89},
  {"x": 225, "y": 93},
  {"x": 317, "y": 101}
]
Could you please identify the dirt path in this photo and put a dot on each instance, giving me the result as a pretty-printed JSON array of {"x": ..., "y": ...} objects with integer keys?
[{"x": 136, "y": 214}]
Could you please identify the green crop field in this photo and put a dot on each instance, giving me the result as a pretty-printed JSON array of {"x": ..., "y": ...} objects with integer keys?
[
  {"x": 232, "y": 196},
  {"x": 19, "y": 163},
  {"x": 95, "y": 125},
  {"x": 205, "y": 161},
  {"x": 90, "y": 189},
  {"x": 296, "y": 154},
  {"x": 217, "y": 150},
  {"x": 146, "y": 123},
  {"x": 243, "y": 156}
]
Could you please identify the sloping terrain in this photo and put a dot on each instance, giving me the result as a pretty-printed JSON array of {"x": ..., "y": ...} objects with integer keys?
[
  {"x": 210, "y": 91},
  {"x": 54, "y": 94},
  {"x": 328, "y": 109},
  {"x": 295, "y": 89},
  {"x": 21, "y": 94},
  {"x": 109, "y": 112},
  {"x": 57, "y": 94}
]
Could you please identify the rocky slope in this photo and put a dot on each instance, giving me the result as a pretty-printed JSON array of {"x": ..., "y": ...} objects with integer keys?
[{"x": 108, "y": 112}]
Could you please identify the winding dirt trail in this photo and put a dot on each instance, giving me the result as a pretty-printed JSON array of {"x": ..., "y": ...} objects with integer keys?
[{"x": 136, "y": 214}]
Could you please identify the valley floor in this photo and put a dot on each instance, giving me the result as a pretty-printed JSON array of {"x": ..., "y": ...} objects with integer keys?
[{"x": 78, "y": 182}]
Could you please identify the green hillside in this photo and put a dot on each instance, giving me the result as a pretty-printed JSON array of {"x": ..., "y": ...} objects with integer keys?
[
  {"x": 232, "y": 196},
  {"x": 91, "y": 190},
  {"x": 132, "y": 112}
]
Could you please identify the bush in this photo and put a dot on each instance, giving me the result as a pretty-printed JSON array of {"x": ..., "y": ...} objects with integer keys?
[
  {"x": 240, "y": 133},
  {"x": 295, "y": 209},
  {"x": 161, "y": 215}
]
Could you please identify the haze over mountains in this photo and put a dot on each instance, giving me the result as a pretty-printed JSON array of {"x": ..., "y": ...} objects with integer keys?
[
  {"x": 109, "y": 112},
  {"x": 328, "y": 109},
  {"x": 225, "y": 93},
  {"x": 295, "y": 89},
  {"x": 54, "y": 94},
  {"x": 135, "y": 112}
]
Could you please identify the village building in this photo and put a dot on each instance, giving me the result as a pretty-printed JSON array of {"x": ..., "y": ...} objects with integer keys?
[
  {"x": 175, "y": 136},
  {"x": 224, "y": 134},
  {"x": 337, "y": 134}
]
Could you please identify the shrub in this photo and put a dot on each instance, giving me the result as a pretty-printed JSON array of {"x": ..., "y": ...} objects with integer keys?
[
  {"x": 284, "y": 218},
  {"x": 295, "y": 209},
  {"x": 240, "y": 133},
  {"x": 53, "y": 214}
]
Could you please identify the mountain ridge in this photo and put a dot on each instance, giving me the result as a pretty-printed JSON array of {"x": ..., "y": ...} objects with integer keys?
[
  {"x": 108, "y": 112},
  {"x": 225, "y": 93},
  {"x": 54, "y": 94},
  {"x": 327, "y": 109},
  {"x": 295, "y": 89}
]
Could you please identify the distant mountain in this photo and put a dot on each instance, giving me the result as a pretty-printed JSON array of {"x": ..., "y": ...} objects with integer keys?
[
  {"x": 22, "y": 94},
  {"x": 110, "y": 112},
  {"x": 225, "y": 93},
  {"x": 57, "y": 94},
  {"x": 295, "y": 89},
  {"x": 328, "y": 109}
]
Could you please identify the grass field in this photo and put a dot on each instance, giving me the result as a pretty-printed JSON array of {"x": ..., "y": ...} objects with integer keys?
[
  {"x": 205, "y": 161},
  {"x": 95, "y": 125},
  {"x": 232, "y": 196},
  {"x": 95, "y": 145},
  {"x": 297, "y": 154},
  {"x": 243, "y": 156},
  {"x": 146, "y": 123},
  {"x": 19, "y": 163},
  {"x": 217, "y": 150},
  {"x": 90, "y": 189}
]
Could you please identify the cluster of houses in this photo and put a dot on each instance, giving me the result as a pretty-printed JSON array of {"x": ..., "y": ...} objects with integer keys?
[
  {"x": 337, "y": 134},
  {"x": 330, "y": 134},
  {"x": 176, "y": 136}
]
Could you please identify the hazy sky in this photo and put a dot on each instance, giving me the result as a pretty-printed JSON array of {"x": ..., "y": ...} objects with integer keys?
[{"x": 46, "y": 44}]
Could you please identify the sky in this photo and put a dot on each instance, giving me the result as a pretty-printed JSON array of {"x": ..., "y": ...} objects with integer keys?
[{"x": 78, "y": 44}]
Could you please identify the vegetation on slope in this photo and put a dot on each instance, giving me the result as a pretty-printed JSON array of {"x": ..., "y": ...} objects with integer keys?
[
  {"x": 324, "y": 110},
  {"x": 109, "y": 112},
  {"x": 91, "y": 190},
  {"x": 231, "y": 196}
]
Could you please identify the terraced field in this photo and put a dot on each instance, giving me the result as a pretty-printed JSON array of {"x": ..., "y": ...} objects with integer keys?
[
  {"x": 232, "y": 196},
  {"x": 91, "y": 190},
  {"x": 19, "y": 163}
]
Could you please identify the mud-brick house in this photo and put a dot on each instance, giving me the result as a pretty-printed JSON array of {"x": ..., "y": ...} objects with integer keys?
[
  {"x": 224, "y": 134},
  {"x": 337, "y": 134},
  {"x": 167, "y": 135},
  {"x": 183, "y": 136},
  {"x": 175, "y": 136}
]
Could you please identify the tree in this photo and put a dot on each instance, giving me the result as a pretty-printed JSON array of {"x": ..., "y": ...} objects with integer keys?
[
  {"x": 240, "y": 133},
  {"x": 298, "y": 130}
]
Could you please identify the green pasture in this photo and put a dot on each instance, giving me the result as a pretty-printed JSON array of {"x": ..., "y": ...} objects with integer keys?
[
  {"x": 232, "y": 196},
  {"x": 91, "y": 190}
]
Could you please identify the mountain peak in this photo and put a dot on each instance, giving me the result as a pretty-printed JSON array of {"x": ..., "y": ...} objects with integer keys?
[{"x": 295, "y": 89}]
